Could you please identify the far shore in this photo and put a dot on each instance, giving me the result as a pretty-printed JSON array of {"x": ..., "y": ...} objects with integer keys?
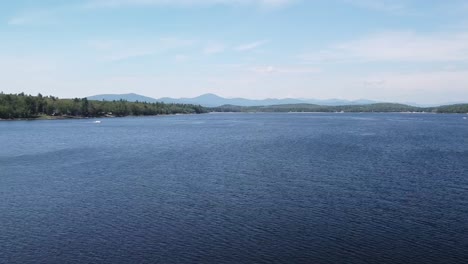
[
  {"x": 67, "y": 117},
  {"x": 50, "y": 118},
  {"x": 83, "y": 117}
]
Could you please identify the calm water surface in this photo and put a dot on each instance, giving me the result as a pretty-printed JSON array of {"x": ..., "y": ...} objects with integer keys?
[{"x": 236, "y": 188}]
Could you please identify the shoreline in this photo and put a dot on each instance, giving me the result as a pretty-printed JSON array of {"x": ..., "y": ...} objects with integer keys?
[{"x": 42, "y": 118}]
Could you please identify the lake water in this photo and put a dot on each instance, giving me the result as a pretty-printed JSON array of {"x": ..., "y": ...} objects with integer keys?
[{"x": 236, "y": 188}]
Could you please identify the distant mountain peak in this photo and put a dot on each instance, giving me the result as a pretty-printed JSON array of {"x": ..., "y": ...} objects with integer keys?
[
  {"x": 131, "y": 97},
  {"x": 209, "y": 95},
  {"x": 212, "y": 100}
]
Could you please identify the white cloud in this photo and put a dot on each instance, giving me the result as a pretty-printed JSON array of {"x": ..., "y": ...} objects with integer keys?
[
  {"x": 251, "y": 46},
  {"x": 17, "y": 21},
  {"x": 412, "y": 7},
  {"x": 432, "y": 81},
  {"x": 129, "y": 54},
  {"x": 33, "y": 74},
  {"x": 27, "y": 64},
  {"x": 118, "y": 50},
  {"x": 274, "y": 3},
  {"x": 397, "y": 47},
  {"x": 183, "y": 3},
  {"x": 214, "y": 48},
  {"x": 33, "y": 17},
  {"x": 290, "y": 69},
  {"x": 423, "y": 87},
  {"x": 181, "y": 58},
  {"x": 374, "y": 82},
  {"x": 393, "y": 6},
  {"x": 115, "y": 50},
  {"x": 101, "y": 45}
]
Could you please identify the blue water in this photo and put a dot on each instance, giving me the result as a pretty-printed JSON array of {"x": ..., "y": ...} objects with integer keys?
[{"x": 236, "y": 188}]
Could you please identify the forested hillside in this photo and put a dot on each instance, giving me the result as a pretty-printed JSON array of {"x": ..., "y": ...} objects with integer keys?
[
  {"x": 456, "y": 108},
  {"x": 14, "y": 106}
]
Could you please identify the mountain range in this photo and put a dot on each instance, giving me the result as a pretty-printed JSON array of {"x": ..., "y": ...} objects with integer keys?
[{"x": 212, "y": 100}]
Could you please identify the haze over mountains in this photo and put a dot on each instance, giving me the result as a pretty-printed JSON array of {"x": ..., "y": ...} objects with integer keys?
[{"x": 212, "y": 100}]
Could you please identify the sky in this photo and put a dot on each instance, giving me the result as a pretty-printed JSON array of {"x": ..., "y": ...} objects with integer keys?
[{"x": 387, "y": 50}]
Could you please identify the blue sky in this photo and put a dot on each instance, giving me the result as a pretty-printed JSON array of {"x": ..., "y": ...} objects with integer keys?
[{"x": 388, "y": 50}]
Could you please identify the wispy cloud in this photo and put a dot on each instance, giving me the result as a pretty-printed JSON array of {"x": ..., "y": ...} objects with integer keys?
[
  {"x": 33, "y": 17},
  {"x": 251, "y": 45},
  {"x": 392, "y": 6},
  {"x": 409, "y": 7},
  {"x": 183, "y": 3},
  {"x": 287, "y": 69},
  {"x": 428, "y": 87},
  {"x": 28, "y": 64},
  {"x": 181, "y": 58},
  {"x": 118, "y": 50},
  {"x": 397, "y": 47},
  {"x": 214, "y": 48},
  {"x": 17, "y": 21},
  {"x": 130, "y": 54}
]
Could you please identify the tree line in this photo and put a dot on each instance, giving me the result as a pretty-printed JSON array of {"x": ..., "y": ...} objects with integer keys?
[
  {"x": 13, "y": 106},
  {"x": 378, "y": 107}
]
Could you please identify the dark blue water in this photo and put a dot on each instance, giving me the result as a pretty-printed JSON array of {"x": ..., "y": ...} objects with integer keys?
[{"x": 236, "y": 188}]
